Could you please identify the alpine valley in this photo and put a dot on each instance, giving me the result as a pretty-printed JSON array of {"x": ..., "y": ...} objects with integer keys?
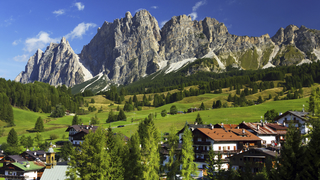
[{"x": 134, "y": 47}]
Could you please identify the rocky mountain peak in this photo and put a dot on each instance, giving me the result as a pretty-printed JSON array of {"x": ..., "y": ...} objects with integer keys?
[{"x": 128, "y": 15}]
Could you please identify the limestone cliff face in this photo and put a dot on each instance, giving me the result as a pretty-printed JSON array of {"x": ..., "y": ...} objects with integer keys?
[
  {"x": 126, "y": 49},
  {"x": 134, "y": 46},
  {"x": 57, "y": 65}
]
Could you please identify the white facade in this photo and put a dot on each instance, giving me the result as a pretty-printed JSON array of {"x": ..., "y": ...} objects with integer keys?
[
  {"x": 305, "y": 128},
  {"x": 227, "y": 146},
  {"x": 267, "y": 139},
  {"x": 27, "y": 175}
]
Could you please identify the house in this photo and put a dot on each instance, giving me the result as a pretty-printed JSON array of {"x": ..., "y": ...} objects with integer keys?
[
  {"x": 226, "y": 126},
  {"x": 27, "y": 170},
  {"x": 192, "y": 127},
  {"x": 77, "y": 133},
  {"x": 223, "y": 141},
  {"x": 281, "y": 131},
  {"x": 295, "y": 117},
  {"x": 267, "y": 134},
  {"x": 34, "y": 155},
  {"x": 256, "y": 158}
]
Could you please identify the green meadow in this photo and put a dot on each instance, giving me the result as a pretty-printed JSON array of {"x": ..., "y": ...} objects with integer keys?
[{"x": 25, "y": 120}]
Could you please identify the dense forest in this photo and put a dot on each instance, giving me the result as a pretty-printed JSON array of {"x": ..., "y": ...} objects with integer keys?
[
  {"x": 301, "y": 76},
  {"x": 37, "y": 97}
]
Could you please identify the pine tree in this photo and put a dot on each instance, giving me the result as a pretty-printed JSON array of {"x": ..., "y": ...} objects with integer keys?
[
  {"x": 292, "y": 155},
  {"x": 75, "y": 120},
  {"x": 121, "y": 116},
  {"x": 202, "y": 107},
  {"x": 12, "y": 138},
  {"x": 199, "y": 119},
  {"x": 110, "y": 117},
  {"x": 92, "y": 162},
  {"x": 313, "y": 155},
  {"x": 211, "y": 164},
  {"x": 38, "y": 127},
  {"x": 187, "y": 156},
  {"x": 174, "y": 158},
  {"x": 173, "y": 109},
  {"x": 151, "y": 155},
  {"x": 133, "y": 166},
  {"x": 114, "y": 149}
]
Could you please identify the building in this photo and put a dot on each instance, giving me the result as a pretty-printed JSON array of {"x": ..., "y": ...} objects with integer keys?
[
  {"x": 192, "y": 127},
  {"x": 267, "y": 134},
  {"x": 77, "y": 133},
  {"x": 28, "y": 170},
  {"x": 223, "y": 141},
  {"x": 295, "y": 117},
  {"x": 280, "y": 130},
  {"x": 255, "y": 158},
  {"x": 34, "y": 155}
]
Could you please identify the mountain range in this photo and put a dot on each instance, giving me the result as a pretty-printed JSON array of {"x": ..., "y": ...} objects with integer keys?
[{"x": 127, "y": 49}]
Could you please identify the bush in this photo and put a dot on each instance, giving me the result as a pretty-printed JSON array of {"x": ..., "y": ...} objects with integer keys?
[
  {"x": 54, "y": 136},
  {"x": 164, "y": 113}
]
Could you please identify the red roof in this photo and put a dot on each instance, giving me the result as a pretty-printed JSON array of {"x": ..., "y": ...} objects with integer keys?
[{"x": 229, "y": 135}]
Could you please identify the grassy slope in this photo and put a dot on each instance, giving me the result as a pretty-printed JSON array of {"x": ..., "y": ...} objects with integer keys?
[{"x": 25, "y": 120}]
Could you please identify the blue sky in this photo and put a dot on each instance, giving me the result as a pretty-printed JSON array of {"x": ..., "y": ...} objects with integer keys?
[{"x": 26, "y": 26}]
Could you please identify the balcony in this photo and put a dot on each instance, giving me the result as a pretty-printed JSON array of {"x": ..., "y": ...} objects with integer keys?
[
  {"x": 201, "y": 143},
  {"x": 12, "y": 176}
]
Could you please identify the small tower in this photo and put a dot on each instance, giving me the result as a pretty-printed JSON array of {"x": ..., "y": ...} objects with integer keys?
[{"x": 50, "y": 158}]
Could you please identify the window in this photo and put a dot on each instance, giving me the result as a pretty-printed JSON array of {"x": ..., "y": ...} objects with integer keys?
[
  {"x": 264, "y": 142},
  {"x": 220, "y": 148},
  {"x": 199, "y": 139},
  {"x": 224, "y": 148},
  {"x": 228, "y": 147},
  {"x": 234, "y": 148}
]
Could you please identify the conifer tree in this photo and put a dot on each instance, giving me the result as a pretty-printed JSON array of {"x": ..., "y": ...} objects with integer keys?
[
  {"x": 133, "y": 166},
  {"x": 173, "y": 109},
  {"x": 292, "y": 155},
  {"x": 174, "y": 158},
  {"x": 187, "y": 156},
  {"x": 110, "y": 117},
  {"x": 211, "y": 164},
  {"x": 12, "y": 138},
  {"x": 199, "y": 119},
  {"x": 114, "y": 149},
  {"x": 202, "y": 107},
  {"x": 121, "y": 116},
  {"x": 151, "y": 155},
  {"x": 75, "y": 120},
  {"x": 38, "y": 127},
  {"x": 92, "y": 162}
]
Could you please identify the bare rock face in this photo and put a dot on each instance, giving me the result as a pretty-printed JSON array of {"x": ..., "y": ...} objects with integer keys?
[
  {"x": 126, "y": 49},
  {"x": 57, "y": 65},
  {"x": 134, "y": 46}
]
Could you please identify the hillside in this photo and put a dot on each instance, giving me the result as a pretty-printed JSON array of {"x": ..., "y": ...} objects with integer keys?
[{"x": 25, "y": 120}]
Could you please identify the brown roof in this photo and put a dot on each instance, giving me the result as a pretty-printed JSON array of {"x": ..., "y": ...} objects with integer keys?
[
  {"x": 229, "y": 135},
  {"x": 84, "y": 128},
  {"x": 276, "y": 126},
  {"x": 263, "y": 129}
]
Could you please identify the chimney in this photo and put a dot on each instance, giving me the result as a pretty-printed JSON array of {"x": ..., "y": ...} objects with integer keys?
[
  {"x": 222, "y": 124},
  {"x": 27, "y": 165},
  {"x": 212, "y": 127},
  {"x": 284, "y": 124},
  {"x": 243, "y": 131},
  {"x": 195, "y": 123},
  {"x": 258, "y": 127},
  {"x": 280, "y": 113}
]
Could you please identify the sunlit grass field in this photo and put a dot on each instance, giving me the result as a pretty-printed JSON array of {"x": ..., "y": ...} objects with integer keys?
[{"x": 25, "y": 120}]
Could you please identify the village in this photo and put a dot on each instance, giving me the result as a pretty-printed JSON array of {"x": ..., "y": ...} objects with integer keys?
[{"x": 236, "y": 144}]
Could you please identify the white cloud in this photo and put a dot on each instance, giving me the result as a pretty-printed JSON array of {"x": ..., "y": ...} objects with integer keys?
[
  {"x": 8, "y": 22},
  {"x": 79, "y": 5},
  {"x": 154, "y": 7},
  {"x": 163, "y": 23},
  {"x": 38, "y": 42},
  {"x": 16, "y": 42},
  {"x": 59, "y": 12},
  {"x": 139, "y": 9},
  {"x": 21, "y": 58},
  {"x": 198, "y": 4},
  {"x": 193, "y": 15},
  {"x": 80, "y": 30}
]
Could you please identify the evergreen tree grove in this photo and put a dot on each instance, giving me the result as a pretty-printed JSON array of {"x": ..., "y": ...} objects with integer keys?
[
  {"x": 187, "y": 156},
  {"x": 12, "y": 138},
  {"x": 39, "y": 125}
]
